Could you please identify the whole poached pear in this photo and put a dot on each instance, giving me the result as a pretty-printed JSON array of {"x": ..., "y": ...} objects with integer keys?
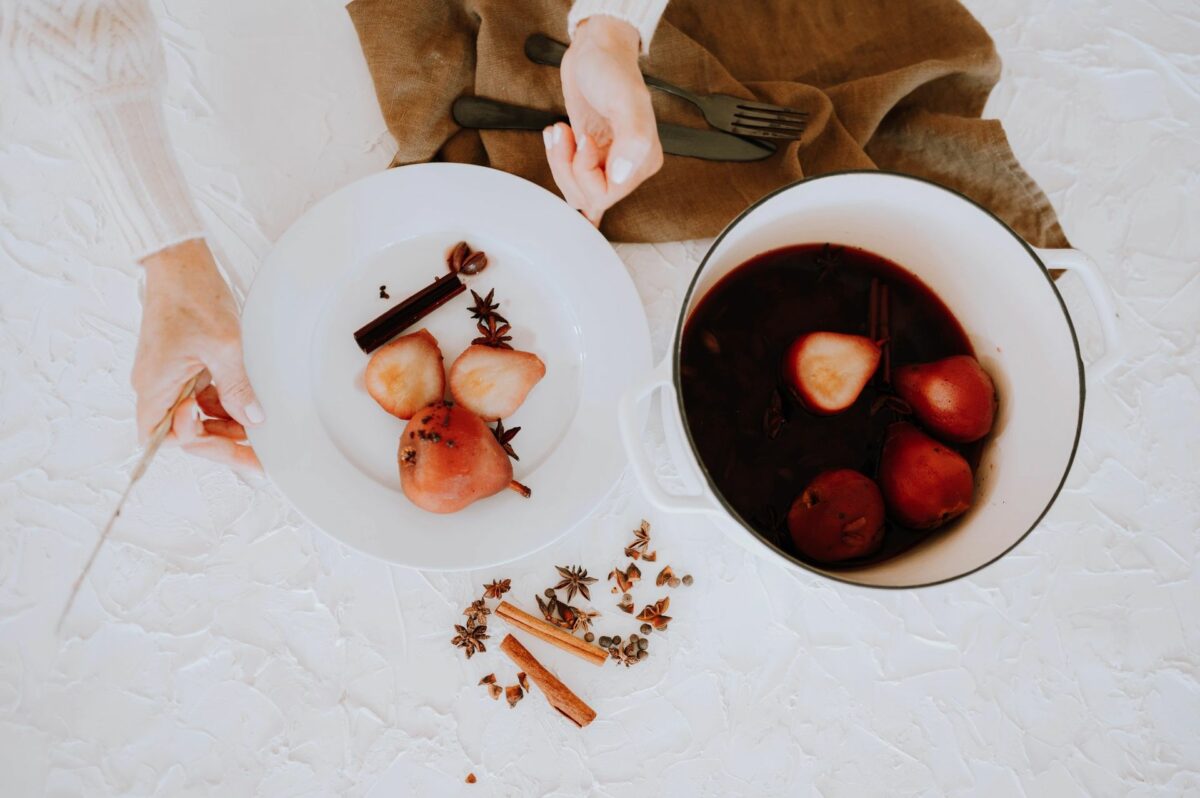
[
  {"x": 449, "y": 458},
  {"x": 924, "y": 482},
  {"x": 953, "y": 398}
]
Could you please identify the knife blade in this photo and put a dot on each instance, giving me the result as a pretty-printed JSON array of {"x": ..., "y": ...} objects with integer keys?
[{"x": 480, "y": 113}]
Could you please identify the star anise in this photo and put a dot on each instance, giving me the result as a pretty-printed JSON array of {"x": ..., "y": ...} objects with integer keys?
[
  {"x": 549, "y": 609},
  {"x": 504, "y": 438},
  {"x": 829, "y": 258},
  {"x": 470, "y": 637},
  {"x": 484, "y": 308},
  {"x": 477, "y": 613},
  {"x": 626, "y": 578},
  {"x": 894, "y": 403},
  {"x": 497, "y": 588},
  {"x": 641, "y": 541},
  {"x": 575, "y": 579},
  {"x": 575, "y": 619},
  {"x": 664, "y": 576},
  {"x": 493, "y": 332},
  {"x": 654, "y": 614}
]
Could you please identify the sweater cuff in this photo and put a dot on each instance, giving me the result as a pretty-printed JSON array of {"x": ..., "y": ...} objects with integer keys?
[
  {"x": 641, "y": 14},
  {"x": 124, "y": 142}
]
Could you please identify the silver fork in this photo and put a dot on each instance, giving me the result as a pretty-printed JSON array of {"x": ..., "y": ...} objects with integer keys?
[{"x": 722, "y": 111}]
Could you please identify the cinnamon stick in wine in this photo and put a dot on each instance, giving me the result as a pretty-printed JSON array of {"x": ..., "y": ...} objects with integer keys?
[
  {"x": 556, "y": 637},
  {"x": 557, "y": 693},
  {"x": 384, "y": 328}
]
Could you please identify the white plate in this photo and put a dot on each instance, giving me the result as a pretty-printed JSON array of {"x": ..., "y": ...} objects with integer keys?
[{"x": 332, "y": 450}]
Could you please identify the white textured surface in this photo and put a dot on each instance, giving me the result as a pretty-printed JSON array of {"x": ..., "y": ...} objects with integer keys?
[{"x": 221, "y": 646}]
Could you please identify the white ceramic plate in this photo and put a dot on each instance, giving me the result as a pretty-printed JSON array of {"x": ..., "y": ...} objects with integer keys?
[{"x": 332, "y": 450}]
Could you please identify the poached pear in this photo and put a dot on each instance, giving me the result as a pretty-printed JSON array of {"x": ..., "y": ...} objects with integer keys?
[
  {"x": 449, "y": 458},
  {"x": 924, "y": 482}
]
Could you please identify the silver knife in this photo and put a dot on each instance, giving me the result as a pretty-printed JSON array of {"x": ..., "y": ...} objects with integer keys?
[{"x": 480, "y": 113}]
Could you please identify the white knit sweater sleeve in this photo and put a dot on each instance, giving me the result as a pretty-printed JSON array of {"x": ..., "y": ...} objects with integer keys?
[
  {"x": 100, "y": 62},
  {"x": 641, "y": 14}
]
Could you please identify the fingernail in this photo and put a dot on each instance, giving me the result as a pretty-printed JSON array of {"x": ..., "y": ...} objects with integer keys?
[
  {"x": 548, "y": 137},
  {"x": 620, "y": 170},
  {"x": 255, "y": 414},
  {"x": 557, "y": 134}
]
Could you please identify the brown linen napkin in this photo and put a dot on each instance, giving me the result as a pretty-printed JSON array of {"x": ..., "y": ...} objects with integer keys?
[{"x": 889, "y": 85}]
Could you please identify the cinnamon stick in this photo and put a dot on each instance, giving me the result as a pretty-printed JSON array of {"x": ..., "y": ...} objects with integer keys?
[
  {"x": 556, "y": 637},
  {"x": 387, "y": 326},
  {"x": 557, "y": 693}
]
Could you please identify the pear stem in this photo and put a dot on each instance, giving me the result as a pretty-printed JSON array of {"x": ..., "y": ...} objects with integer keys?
[{"x": 519, "y": 488}]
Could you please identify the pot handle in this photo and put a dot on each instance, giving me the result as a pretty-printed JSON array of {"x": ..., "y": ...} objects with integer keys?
[
  {"x": 1102, "y": 300},
  {"x": 631, "y": 437}
]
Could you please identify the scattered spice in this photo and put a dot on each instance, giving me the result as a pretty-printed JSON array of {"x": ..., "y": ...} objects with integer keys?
[
  {"x": 626, "y": 578},
  {"x": 641, "y": 541},
  {"x": 458, "y": 253},
  {"x": 687, "y": 580},
  {"x": 484, "y": 308},
  {"x": 589, "y": 637},
  {"x": 497, "y": 588},
  {"x": 470, "y": 637},
  {"x": 523, "y": 680},
  {"x": 665, "y": 575},
  {"x": 626, "y": 603},
  {"x": 383, "y": 294},
  {"x": 493, "y": 333},
  {"x": 575, "y": 579},
  {"x": 504, "y": 438},
  {"x": 470, "y": 778},
  {"x": 489, "y": 679},
  {"x": 514, "y": 694},
  {"x": 495, "y": 691},
  {"x": 673, "y": 582},
  {"x": 477, "y": 613},
  {"x": 655, "y": 614},
  {"x": 474, "y": 264},
  {"x": 647, "y": 629}
]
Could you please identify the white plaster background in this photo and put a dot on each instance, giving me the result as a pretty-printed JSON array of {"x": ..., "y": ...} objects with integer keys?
[{"x": 224, "y": 647}]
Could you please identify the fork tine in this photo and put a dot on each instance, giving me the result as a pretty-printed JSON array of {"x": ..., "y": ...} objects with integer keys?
[
  {"x": 767, "y": 108},
  {"x": 766, "y": 132},
  {"x": 770, "y": 121}
]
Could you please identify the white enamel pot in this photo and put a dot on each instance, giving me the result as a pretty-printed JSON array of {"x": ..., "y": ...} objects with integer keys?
[{"x": 1000, "y": 289}]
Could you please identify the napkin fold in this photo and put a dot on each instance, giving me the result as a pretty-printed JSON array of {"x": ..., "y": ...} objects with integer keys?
[{"x": 895, "y": 86}]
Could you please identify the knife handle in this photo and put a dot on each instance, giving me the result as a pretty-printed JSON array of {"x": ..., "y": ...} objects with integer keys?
[
  {"x": 483, "y": 114},
  {"x": 541, "y": 49}
]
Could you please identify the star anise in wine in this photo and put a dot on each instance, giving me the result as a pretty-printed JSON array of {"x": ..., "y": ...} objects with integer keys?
[
  {"x": 641, "y": 541},
  {"x": 484, "y": 308},
  {"x": 497, "y": 588},
  {"x": 504, "y": 438},
  {"x": 493, "y": 332},
  {"x": 655, "y": 614},
  {"x": 477, "y": 612},
  {"x": 626, "y": 578},
  {"x": 575, "y": 579},
  {"x": 470, "y": 637},
  {"x": 828, "y": 259}
]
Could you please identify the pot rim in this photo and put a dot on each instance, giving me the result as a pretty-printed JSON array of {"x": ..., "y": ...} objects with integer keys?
[{"x": 712, "y": 487}]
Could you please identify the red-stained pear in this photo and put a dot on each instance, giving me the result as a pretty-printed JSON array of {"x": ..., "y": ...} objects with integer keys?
[
  {"x": 924, "y": 482},
  {"x": 839, "y": 516},
  {"x": 953, "y": 398}
]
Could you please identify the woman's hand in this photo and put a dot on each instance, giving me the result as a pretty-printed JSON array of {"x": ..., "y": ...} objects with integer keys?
[
  {"x": 190, "y": 325},
  {"x": 611, "y": 145}
]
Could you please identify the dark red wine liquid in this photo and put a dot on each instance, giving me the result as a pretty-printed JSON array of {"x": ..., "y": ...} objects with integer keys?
[{"x": 758, "y": 443}]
